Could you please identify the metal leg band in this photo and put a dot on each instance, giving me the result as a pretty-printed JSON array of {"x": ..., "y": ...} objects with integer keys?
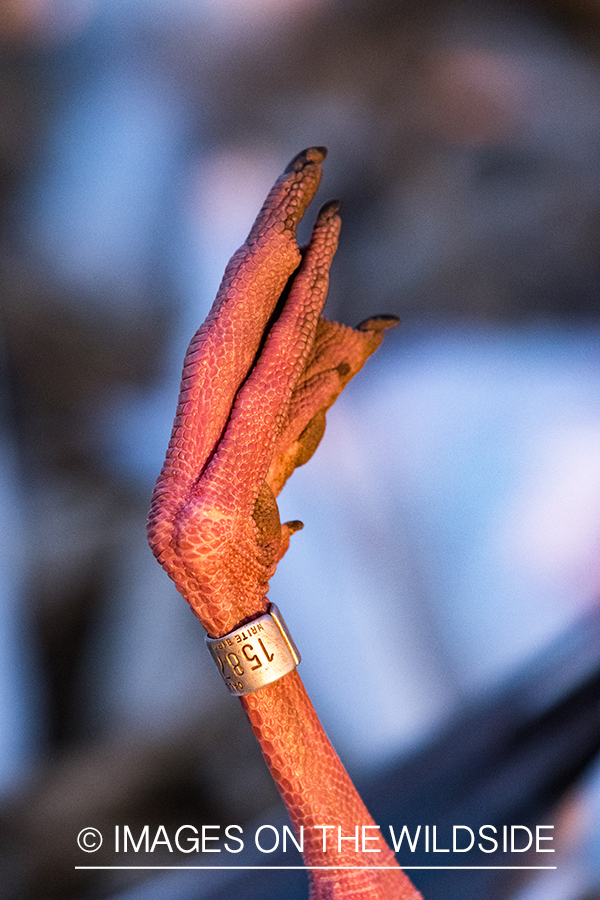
[{"x": 256, "y": 654}]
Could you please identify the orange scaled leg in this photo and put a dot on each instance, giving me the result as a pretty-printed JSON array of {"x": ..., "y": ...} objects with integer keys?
[{"x": 258, "y": 377}]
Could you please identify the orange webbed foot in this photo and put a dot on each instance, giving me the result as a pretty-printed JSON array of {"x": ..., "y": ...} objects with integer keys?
[{"x": 258, "y": 377}]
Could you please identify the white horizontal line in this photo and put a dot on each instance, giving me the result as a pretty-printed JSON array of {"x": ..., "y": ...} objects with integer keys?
[{"x": 289, "y": 868}]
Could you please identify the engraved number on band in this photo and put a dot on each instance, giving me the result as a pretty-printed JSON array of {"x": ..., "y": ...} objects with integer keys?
[
  {"x": 234, "y": 662},
  {"x": 270, "y": 656},
  {"x": 248, "y": 648},
  {"x": 246, "y": 664}
]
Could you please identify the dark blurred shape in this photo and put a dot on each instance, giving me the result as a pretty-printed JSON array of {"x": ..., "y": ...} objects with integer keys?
[
  {"x": 135, "y": 778},
  {"x": 37, "y": 22},
  {"x": 510, "y": 759},
  {"x": 465, "y": 147}
]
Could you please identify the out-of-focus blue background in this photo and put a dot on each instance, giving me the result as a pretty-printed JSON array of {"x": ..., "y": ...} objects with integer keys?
[{"x": 452, "y": 512}]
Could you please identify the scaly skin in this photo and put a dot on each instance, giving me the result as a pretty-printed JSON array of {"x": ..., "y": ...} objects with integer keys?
[{"x": 258, "y": 377}]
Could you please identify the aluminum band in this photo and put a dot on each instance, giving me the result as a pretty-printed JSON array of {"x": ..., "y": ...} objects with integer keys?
[{"x": 256, "y": 654}]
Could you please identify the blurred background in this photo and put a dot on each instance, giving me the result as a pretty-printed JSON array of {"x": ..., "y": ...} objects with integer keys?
[{"x": 452, "y": 512}]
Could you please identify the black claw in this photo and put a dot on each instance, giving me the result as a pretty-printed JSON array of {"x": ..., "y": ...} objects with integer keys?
[
  {"x": 294, "y": 526},
  {"x": 378, "y": 323},
  {"x": 330, "y": 208},
  {"x": 310, "y": 155}
]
